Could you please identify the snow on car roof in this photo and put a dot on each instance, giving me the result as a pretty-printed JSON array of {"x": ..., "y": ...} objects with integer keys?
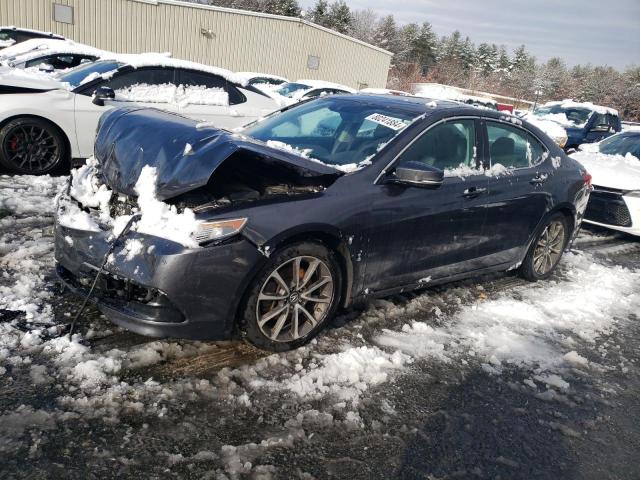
[
  {"x": 383, "y": 91},
  {"x": 250, "y": 75},
  {"x": 154, "y": 59},
  {"x": 568, "y": 103},
  {"x": 325, "y": 84},
  {"x": 30, "y": 30},
  {"x": 38, "y": 47}
]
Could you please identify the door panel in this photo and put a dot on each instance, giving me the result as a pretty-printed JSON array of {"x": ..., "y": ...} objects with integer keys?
[
  {"x": 417, "y": 234},
  {"x": 517, "y": 199}
]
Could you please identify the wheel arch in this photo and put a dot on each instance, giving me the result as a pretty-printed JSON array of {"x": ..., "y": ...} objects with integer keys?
[{"x": 332, "y": 238}]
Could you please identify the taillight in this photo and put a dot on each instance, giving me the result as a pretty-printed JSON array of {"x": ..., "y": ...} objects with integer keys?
[{"x": 586, "y": 176}]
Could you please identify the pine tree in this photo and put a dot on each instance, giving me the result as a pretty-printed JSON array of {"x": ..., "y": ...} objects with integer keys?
[
  {"x": 386, "y": 34},
  {"x": 363, "y": 24},
  {"x": 320, "y": 13},
  {"x": 289, "y": 8},
  {"x": 340, "y": 17}
]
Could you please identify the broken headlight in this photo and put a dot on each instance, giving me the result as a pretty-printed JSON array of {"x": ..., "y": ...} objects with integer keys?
[{"x": 208, "y": 231}]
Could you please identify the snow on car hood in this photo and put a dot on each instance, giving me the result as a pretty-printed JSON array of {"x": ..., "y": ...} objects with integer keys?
[
  {"x": 183, "y": 155},
  {"x": 553, "y": 129},
  {"x": 15, "y": 77},
  {"x": 612, "y": 171}
]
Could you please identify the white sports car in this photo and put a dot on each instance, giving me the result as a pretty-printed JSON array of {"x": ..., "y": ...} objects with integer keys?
[
  {"x": 614, "y": 164},
  {"x": 45, "y": 122},
  {"x": 53, "y": 53}
]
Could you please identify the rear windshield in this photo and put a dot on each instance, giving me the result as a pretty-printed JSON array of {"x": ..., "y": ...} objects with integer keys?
[
  {"x": 75, "y": 76},
  {"x": 337, "y": 131}
]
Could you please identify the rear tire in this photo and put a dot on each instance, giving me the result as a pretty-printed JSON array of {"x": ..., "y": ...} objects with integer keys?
[
  {"x": 292, "y": 298},
  {"x": 546, "y": 250},
  {"x": 32, "y": 146}
]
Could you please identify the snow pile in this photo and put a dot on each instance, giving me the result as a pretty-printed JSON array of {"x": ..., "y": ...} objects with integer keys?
[
  {"x": 289, "y": 148},
  {"x": 534, "y": 327},
  {"x": 552, "y": 128},
  {"x": 179, "y": 95},
  {"x": 158, "y": 218},
  {"x": 345, "y": 375}
]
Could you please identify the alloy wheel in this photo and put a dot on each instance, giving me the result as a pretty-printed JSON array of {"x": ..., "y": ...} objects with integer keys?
[
  {"x": 294, "y": 299},
  {"x": 31, "y": 148},
  {"x": 549, "y": 248}
]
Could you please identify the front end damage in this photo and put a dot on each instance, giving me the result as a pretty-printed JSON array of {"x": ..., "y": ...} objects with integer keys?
[{"x": 177, "y": 273}]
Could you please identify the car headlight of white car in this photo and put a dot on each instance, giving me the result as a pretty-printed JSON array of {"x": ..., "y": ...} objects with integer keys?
[{"x": 208, "y": 231}]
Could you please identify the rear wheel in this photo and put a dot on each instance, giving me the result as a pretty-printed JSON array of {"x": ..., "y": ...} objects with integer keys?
[
  {"x": 31, "y": 146},
  {"x": 292, "y": 298},
  {"x": 546, "y": 250}
]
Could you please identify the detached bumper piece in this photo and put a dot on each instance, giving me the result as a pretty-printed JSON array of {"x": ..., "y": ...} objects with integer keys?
[
  {"x": 121, "y": 296},
  {"x": 607, "y": 206}
]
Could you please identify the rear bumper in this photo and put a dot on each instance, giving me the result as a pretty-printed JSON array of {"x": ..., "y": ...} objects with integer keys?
[{"x": 165, "y": 291}]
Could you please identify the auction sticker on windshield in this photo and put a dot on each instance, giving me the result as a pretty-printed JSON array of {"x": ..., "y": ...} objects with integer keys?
[{"x": 392, "y": 123}]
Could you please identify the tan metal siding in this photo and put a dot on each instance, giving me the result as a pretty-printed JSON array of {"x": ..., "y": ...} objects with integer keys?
[{"x": 242, "y": 42}]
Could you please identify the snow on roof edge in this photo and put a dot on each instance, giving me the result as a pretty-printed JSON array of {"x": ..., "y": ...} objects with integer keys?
[{"x": 180, "y": 3}]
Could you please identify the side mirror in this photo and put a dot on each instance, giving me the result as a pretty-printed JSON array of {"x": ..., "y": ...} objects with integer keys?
[
  {"x": 418, "y": 174},
  {"x": 101, "y": 94},
  {"x": 45, "y": 67}
]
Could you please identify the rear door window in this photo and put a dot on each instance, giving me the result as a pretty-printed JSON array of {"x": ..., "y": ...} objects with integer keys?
[
  {"x": 142, "y": 76},
  {"x": 210, "y": 81},
  {"x": 513, "y": 147}
]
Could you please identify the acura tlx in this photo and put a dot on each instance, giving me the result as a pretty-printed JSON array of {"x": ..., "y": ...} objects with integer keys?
[{"x": 202, "y": 233}]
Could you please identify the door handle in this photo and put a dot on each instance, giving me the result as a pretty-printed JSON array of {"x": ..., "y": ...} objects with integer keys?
[
  {"x": 539, "y": 179},
  {"x": 473, "y": 192}
]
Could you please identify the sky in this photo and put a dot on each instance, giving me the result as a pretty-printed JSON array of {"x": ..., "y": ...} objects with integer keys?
[{"x": 579, "y": 31}]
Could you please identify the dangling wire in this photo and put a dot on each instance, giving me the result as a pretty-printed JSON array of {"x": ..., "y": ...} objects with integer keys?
[{"x": 113, "y": 245}]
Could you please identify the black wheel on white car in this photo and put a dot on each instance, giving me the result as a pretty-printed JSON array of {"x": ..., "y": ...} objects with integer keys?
[
  {"x": 31, "y": 146},
  {"x": 292, "y": 298},
  {"x": 546, "y": 250}
]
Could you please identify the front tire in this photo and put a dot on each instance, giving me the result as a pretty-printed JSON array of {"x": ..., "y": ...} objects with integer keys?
[
  {"x": 32, "y": 146},
  {"x": 546, "y": 250},
  {"x": 292, "y": 298}
]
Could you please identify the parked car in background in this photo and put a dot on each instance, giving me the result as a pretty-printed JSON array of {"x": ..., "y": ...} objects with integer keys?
[
  {"x": 614, "y": 164},
  {"x": 384, "y": 91},
  {"x": 269, "y": 231},
  {"x": 306, "y": 89},
  {"x": 584, "y": 122},
  {"x": 44, "y": 123},
  {"x": 49, "y": 54},
  {"x": 12, "y": 35},
  {"x": 262, "y": 79}
]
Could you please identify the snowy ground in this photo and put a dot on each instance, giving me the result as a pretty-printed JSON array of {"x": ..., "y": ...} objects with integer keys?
[{"x": 487, "y": 378}]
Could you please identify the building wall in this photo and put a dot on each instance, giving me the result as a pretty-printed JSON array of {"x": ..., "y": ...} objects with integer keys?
[{"x": 238, "y": 41}]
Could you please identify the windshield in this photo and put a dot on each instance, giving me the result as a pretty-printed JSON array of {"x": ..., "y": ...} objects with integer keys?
[
  {"x": 571, "y": 116},
  {"x": 288, "y": 89},
  {"x": 75, "y": 76},
  {"x": 621, "y": 144},
  {"x": 334, "y": 130}
]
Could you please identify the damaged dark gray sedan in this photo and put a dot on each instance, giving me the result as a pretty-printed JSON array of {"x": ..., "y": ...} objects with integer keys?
[{"x": 202, "y": 233}]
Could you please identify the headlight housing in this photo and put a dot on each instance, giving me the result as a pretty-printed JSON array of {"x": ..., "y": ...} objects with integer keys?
[{"x": 210, "y": 230}]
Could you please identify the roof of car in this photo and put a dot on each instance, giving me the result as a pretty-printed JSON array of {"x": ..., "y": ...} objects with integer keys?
[
  {"x": 152, "y": 59},
  {"x": 29, "y": 30},
  {"x": 420, "y": 103},
  {"x": 39, "y": 47}
]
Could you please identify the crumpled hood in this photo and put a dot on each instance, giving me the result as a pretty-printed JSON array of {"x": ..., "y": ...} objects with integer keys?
[
  {"x": 16, "y": 77},
  {"x": 184, "y": 156},
  {"x": 612, "y": 171}
]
